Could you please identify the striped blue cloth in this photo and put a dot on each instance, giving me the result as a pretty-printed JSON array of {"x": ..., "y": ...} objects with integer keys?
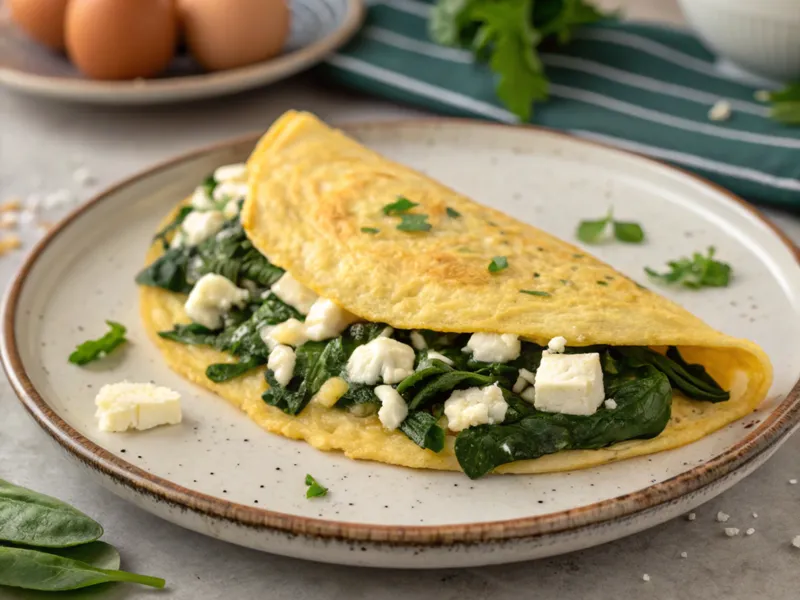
[{"x": 640, "y": 87}]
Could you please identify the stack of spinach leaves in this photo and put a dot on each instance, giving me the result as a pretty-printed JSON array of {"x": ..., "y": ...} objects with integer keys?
[
  {"x": 639, "y": 380},
  {"x": 48, "y": 545}
]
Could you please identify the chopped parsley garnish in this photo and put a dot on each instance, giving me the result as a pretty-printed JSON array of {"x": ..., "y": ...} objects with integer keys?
[
  {"x": 534, "y": 293},
  {"x": 414, "y": 223},
  {"x": 315, "y": 489},
  {"x": 400, "y": 206},
  {"x": 498, "y": 264},
  {"x": 696, "y": 272},
  {"x": 452, "y": 212},
  {"x": 591, "y": 232},
  {"x": 370, "y": 230},
  {"x": 536, "y": 275},
  {"x": 92, "y": 350},
  {"x": 785, "y": 103},
  {"x": 601, "y": 282}
]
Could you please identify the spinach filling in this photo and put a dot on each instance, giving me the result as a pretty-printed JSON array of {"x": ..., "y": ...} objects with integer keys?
[{"x": 639, "y": 379}]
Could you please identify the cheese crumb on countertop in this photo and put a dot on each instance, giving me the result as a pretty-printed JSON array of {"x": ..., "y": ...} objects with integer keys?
[
  {"x": 731, "y": 531},
  {"x": 796, "y": 541},
  {"x": 645, "y": 577},
  {"x": 691, "y": 516},
  {"x": 722, "y": 517},
  {"x": 750, "y": 531}
]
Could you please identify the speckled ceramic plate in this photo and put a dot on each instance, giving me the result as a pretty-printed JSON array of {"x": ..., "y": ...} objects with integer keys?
[
  {"x": 318, "y": 27},
  {"x": 219, "y": 474}
]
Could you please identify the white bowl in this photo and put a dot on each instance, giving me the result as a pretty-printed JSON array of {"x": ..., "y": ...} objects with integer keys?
[{"x": 759, "y": 36}]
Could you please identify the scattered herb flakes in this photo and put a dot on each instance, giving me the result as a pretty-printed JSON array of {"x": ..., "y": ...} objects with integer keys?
[
  {"x": 414, "y": 223},
  {"x": 536, "y": 275},
  {"x": 535, "y": 293},
  {"x": 578, "y": 255},
  {"x": 592, "y": 232},
  {"x": 696, "y": 272},
  {"x": 785, "y": 104},
  {"x": 92, "y": 350},
  {"x": 452, "y": 212},
  {"x": 400, "y": 206},
  {"x": 565, "y": 281},
  {"x": 498, "y": 264},
  {"x": 601, "y": 282},
  {"x": 370, "y": 230},
  {"x": 628, "y": 232},
  {"x": 315, "y": 489}
]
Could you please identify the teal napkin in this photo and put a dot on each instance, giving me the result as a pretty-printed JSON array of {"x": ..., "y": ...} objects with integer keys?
[{"x": 640, "y": 87}]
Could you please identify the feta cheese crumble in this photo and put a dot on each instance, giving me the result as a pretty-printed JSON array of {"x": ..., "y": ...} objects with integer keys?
[
  {"x": 722, "y": 517},
  {"x": 645, "y": 577},
  {"x": 199, "y": 226},
  {"x": 233, "y": 172},
  {"x": 231, "y": 209},
  {"x": 750, "y": 531},
  {"x": 796, "y": 541},
  {"x": 475, "y": 406},
  {"x": 211, "y": 297},
  {"x": 494, "y": 347},
  {"x": 569, "y": 383},
  {"x": 557, "y": 345},
  {"x": 793, "y": 482},
  {"x": 684, "y": 555},
  {"x": 281, "y": 361},
  {"x": 418, "y": 341},
  {"x": 610, "y": 404},
  {"x": 382, "y": 358},
  {"x": 294, "y": 293},
  {"x": 393, "y": 410},
  {"x": 326, "y": 320},
  {"x": 229, "y": 190},
  {"x": 432, "y": 354},
  {"x": 201, "y": 200},
  {"x": 123, "y": 406},
  {"x": 691, "y": 516}
]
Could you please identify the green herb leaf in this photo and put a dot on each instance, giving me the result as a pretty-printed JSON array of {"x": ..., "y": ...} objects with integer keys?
[
  {"x": 168, "y": 271},
  {"x": 209, "y": 185},
  {"x": 35, "y": 570},
  {"x": 33, "y": 519},
  {"x": 400, "y": 206},
  {"x": 92, "y": 350},
  {"x": 315, "y": 489},
  {"x": 629, "y": 232},
  {"x": 452, "y": 212},
  {"x": 221, "y": 372},
  {"x": 786, "y": 104},
  {"x": 601, "y": 282},
  {"x": 535, "y": 293},
  {"x": 414, "y": 223},
  {"x": 696, "y": 272},
  {"x": 507, "y": 34},
  {"x": 498, "y": 264},
  {"x": 590, "y": 232},
  {"x": 370, "y": 230}
]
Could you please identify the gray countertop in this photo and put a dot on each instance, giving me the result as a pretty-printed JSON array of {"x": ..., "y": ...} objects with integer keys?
[{"x": 42, "y": 143}]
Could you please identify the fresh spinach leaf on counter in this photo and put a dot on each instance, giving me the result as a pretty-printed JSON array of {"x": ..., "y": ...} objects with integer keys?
[
  {"x": 696, "y": 272},
  {"x": 35, "y": 570},
  {"x": 33, "y": 519},
  {"x": 315, "y": 488},
  {"x": 92, "y": 350},
  {"x": 46, "y": 544},
  {"x": 507, "y": 34},
  {"x": 644, "y": 399}
]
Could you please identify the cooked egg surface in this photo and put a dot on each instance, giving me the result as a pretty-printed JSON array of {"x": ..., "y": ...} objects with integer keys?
[
  {"x": 43, "y": 20},
  {"x": 121, "y": 39},
  {"x": 234, "y": 33}
]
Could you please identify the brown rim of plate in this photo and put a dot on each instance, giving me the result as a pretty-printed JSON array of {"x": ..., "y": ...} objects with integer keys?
[
  {"x": 287, "y": 63},
  {"x": 780, "y": 421}
]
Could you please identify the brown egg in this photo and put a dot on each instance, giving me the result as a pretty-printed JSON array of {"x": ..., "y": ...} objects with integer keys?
[
  {"x": 43, "y": 20},
  {"x": 234, "y": 33},
  {"x": 121, "y": 39}
]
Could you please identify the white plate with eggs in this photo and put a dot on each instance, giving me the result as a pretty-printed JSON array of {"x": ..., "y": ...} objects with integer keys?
[{"x": 189, "y": 49}]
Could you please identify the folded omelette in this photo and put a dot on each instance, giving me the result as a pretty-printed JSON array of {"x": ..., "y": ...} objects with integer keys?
[{"x": 354, "y": 303}]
